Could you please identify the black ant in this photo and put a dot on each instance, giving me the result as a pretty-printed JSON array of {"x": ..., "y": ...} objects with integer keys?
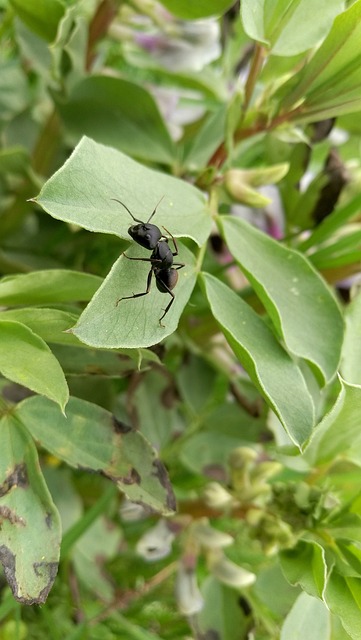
[{"x": 164, "y": 269}]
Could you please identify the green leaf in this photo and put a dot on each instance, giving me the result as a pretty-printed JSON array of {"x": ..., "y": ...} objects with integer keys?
[
  {"x": 338, "y": 434},
  {"x": 135, "y": 322},
  {"x": 289, "y": 27},
  {"x": 118, "y": 113},
  {"x": 30, "y": 524},
  {"x": 265, "y": 361},
  {"x": 329, "y": 225},
  {"x": 49, "y": 324},
  {"x": 329, "y": 84},
  {"x": 92, "y": 438},
  {"x": 52, "y": 285},
  {"x": 14, "y": 92},
  {"x": 351, "y": 350},
  {"x": 206, "y": 141},
  {"x": 305, "y": 565},
  {"x": 195, "y": 10},
  {"x": 81, "y": 192},
  {"x": 42, "y": 16},
  {"x": 308, "y": 618},
  {"x": 221, "y": 616},
  {"x": 26, "y": 359},
  {"x": 298, "y": 301},
  {"x": 343, "y": 597}
]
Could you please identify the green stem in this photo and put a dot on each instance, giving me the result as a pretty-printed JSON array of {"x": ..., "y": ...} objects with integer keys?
[
  {"x": 47, "y": 145},
  {"x": 255, "y": 69}
]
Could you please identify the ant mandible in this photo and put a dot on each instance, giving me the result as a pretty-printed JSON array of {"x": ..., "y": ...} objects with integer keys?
[{"x": 163, "y": 267}]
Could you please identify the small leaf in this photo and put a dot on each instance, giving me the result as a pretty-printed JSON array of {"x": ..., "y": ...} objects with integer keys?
[
  {"x": 305, "y": 565},
  {"x": 52, "y": 285},
  {"x": 119, "y": 113},
  {"x": 135, "y": 322},
  {"x": 92, "y": 438},
  {"x": 42, "y": 16},
  {"x": 26, "y": 359},
  {"x": 289, "y": 27},
  {"x": 298, "y": 301},
  {"x": 338, "y": 434},
  {"x": 266, "y": 362},
  {"x": 351, "y": 351},
  {"x": 30, "y": 525},
  {"x": 81, "y": 192}
]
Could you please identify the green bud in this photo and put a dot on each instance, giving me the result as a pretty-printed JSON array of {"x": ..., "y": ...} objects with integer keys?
[
  {"x": 242, "y": 183},
  {"x": 216, "y": 497}
]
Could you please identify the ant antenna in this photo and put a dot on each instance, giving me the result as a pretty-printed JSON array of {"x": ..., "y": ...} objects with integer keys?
[
  {"x": 155, "y": 209},
  {"x": 130, "y": 213}
]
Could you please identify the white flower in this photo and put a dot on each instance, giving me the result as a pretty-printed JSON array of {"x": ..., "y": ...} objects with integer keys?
[
  {"x": 188, "y": 595},
  {"x": 156, "y": 543}
]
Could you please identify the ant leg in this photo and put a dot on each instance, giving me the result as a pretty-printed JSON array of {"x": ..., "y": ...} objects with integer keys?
[
  {"x": 138, "y": 295},
  {"x": 174, "y": 242},
  {"x": 167, "y": 307},
  {"x": 178, "y": 265},
  {"x": 152, "y": 260}
]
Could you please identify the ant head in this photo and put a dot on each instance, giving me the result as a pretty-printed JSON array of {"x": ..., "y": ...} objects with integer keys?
[{"x": 145, "y": 234}]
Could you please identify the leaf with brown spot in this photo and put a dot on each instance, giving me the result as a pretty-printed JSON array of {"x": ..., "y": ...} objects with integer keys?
[
  {"x": 30, "y": 531},
  {"x": 89, "y": 437}
]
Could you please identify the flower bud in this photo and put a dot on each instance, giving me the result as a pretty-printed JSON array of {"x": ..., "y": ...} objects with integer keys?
[
  {"x": 216, "y": 497},
  {"x": 228, "y": 572},
  {"x": 242, "y": 183},
  {"x": 132, "y": 511},
  {"x": 209, "y": 537}
]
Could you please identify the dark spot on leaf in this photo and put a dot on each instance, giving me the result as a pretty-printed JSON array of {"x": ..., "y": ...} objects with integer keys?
[
  {"x": 132, "y": 478},
  {"x": 9, "y": 514},
  {"x": 245, "y": 606},
  {"x": 50, "y": 569},
  {"x": 120, "y": 427},
  {"x": 17, "y": 478},
  {"x": 162, "y": 475},
  {"x": 49, "y": 520}
]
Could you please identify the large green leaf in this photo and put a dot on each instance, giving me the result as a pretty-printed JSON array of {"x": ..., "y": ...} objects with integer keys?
[
  {"x": 200, "y": 9},
  {"x": 30, "y": 525},
  {"x": 343, "y": 597},
  {"x": 119, "y": 113},
  {"x": 42, "y": 16},
  {"x": 90, "y": 437},
  {"x": 26, "y": 359},
  {"x": 308, "y": 618},
  {"x": 299, "y": 303},
  {"x": 329, "y": 84},
  {"x": 44, "y": 287},
  {"x": 135, "y": 322},
  {"x": 289, "y": 27},
  {"x": 267, "y": 363},
  {"x": 81, "y": 192}
]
